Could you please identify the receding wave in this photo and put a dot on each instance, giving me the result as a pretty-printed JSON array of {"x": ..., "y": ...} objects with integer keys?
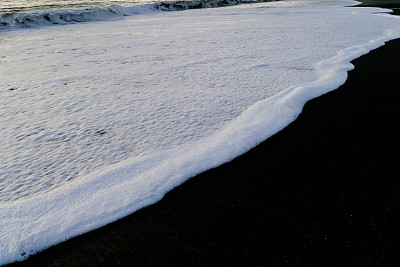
[
  {"x": 110, "y": 89},
  {"x": 68, "y": 16}
]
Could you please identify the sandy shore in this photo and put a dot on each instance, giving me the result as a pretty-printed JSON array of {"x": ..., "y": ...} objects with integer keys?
[{"x": 325, "y": 190}]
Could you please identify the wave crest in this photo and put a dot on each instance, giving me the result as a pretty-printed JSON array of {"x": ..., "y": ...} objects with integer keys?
[
  {"x": 67, "y": 16},
  {"x": 62, "y": 16},
  {"x": 183, "y": 5}
]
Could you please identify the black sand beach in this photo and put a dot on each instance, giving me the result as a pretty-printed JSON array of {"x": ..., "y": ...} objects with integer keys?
[
  {"x": 392, "y": 4},
  {"x": 323, "y": 191}
]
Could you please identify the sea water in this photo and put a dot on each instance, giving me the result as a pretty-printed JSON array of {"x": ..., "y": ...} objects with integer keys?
[
  {"x": 102, "y": 118},
  {"x": 8, "y": 6},
  {"x": 27, "y": 13}
]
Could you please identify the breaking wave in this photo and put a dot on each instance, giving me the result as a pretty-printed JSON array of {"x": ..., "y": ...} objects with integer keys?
[
  {"x": 183, "y": 5},
  {"x": 68, "y": 16}
]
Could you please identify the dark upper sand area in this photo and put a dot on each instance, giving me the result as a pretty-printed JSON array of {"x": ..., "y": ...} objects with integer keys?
[
  {"x": 381, "y": 3},
  {"x": 393, "y": 4},
  {"x": 323, "y": 191}
]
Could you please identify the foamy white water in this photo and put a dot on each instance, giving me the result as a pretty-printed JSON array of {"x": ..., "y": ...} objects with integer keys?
[
  {"x": 8, "y": 6},
  {"x": 33, "y": 13},
  {"x": 101, "y": 119}
]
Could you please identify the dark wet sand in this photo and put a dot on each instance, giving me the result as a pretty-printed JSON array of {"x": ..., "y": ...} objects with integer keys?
[{"x": 325, "y": 190}]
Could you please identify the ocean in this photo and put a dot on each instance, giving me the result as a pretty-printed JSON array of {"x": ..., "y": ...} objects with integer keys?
[
  {"x": 28, "y": 13},
  {"x": 106, "y": 106},
  {"x": 11, "y": 6}
]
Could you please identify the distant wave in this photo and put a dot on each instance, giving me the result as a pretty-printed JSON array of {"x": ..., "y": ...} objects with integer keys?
[
  {"x": 183, "y": 5},
  {"x": 68, "y": 16}
]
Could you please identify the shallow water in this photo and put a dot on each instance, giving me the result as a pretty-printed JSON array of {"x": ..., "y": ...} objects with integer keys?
[
  {"x": 99, "y": 119},
  {"x": 102, "y": 96}
]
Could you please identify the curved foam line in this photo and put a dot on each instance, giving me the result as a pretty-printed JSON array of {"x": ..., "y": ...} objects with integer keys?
[
  {"x": 102, "y": 197},
  {"x": 70, "y": 210}
]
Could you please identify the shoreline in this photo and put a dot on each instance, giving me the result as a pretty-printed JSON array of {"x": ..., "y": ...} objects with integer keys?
[{"x": 312, "y": 193}]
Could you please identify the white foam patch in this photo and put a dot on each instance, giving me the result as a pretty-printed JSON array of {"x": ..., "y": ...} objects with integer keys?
[{"x": 325, "y": 39}]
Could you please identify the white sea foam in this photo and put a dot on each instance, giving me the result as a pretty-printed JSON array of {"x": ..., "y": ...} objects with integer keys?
[
  {"x": 11, "y": 6},
  {"x": 54, "y": 16},
  {"x": 137, "y": 106},
  {"x": 67, "y": 16}
]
